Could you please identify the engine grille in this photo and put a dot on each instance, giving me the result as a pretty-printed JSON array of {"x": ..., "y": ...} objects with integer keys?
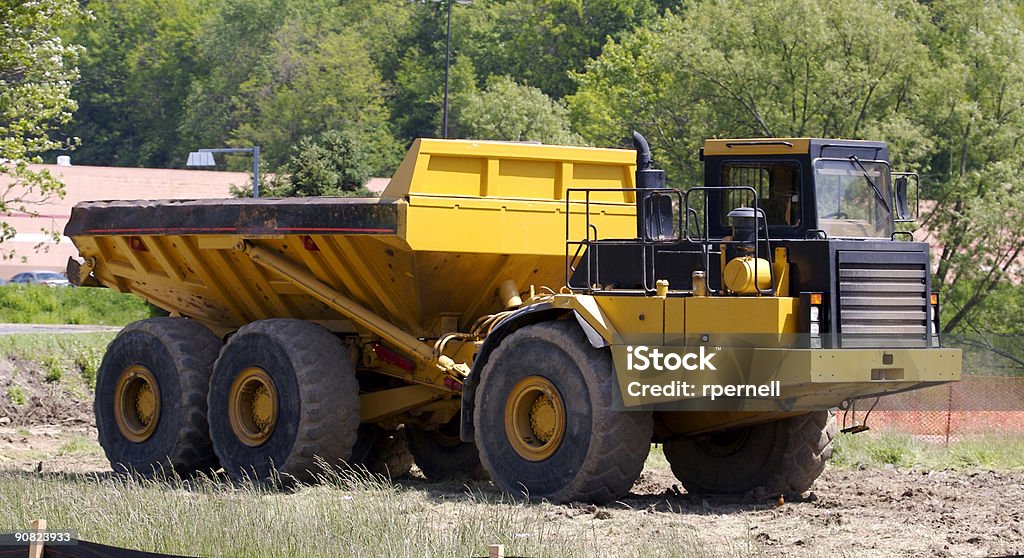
[{"x": 883, "y": 300}]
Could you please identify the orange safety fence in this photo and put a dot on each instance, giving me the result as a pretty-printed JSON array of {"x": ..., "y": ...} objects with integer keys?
[{"x": 976, "y": 405}]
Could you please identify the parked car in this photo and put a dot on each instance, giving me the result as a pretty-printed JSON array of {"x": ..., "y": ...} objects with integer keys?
[{"x": 51, "y": 278}]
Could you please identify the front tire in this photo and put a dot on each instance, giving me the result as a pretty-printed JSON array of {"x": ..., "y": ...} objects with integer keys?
[
  {"x": 544, "y": 420},
  {"x": 780, "y": 457},
  {"x": 283, "y": 393},
  {"x": 150, "y": 401}
]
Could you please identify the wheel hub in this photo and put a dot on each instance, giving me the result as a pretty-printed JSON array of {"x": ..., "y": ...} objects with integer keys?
[
  {"x": 136, "y": 403},
  {"x": 253, "y": 407},
  {"x": 543, "y": 418},
  {"x": 535, "y": 418}
]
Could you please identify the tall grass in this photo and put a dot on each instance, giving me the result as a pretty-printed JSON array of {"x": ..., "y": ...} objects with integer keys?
[
  {"x": 71, "y": 359},
  {"x": 991, "y": 451},
  {"x": 39, "y": 304},
  {"x": 349, "y": 514}
]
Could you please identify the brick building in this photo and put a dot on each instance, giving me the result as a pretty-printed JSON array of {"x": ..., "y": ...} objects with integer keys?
[{"x": 97, "y": 183}]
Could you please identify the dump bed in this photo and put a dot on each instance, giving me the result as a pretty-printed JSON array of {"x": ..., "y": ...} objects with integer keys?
[{"x": 456, "y": 220}]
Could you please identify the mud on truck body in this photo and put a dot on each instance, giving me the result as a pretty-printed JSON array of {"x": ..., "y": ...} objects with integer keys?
[{"x": 490, "y": 310}]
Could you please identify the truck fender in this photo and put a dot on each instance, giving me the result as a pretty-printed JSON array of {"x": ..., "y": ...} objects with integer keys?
[
  {"x": 529, "y": 315},
  {"x": 596, "y": 339}
]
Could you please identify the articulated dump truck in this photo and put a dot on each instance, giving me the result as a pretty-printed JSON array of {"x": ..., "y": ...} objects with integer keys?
[{"x": 536, "y": 314}]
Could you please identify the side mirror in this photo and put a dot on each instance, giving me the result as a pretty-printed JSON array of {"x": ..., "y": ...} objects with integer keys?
[{"x": 901, "y": 197}]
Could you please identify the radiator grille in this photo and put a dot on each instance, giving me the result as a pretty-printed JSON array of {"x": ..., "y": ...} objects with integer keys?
[{"x": 883, "y": 304}]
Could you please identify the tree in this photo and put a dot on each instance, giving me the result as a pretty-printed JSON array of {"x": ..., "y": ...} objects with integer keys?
[
  {"x": 977, "y": 118},
  {"x": 334, "y": 164},
  {"x": 314, "y": 79},
  {"x": 942, "y": 82},
  {"x": 37, "y": 71},
  {"x": 306, "y": 74},
  {"x": 506, "y": 110},
  {"x": 228, "y": 46},
  {"x": 773, "y": 68},
  {"x": 417, "y": 104},
  {"x": 538, "y": 42},
  {"x": 138, "y": 64}
]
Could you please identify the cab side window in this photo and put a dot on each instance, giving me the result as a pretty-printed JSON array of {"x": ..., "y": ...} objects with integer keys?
[{"x": 777, "y": 186}]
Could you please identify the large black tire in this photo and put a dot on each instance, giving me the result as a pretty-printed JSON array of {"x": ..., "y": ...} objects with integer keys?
[
  {"x": 781, "y": 457},
  {"x": 596, "y": 456},
  {"x": 172, "y": 359},
  {"x": 317, "y": 401},
  {"x": 382, "y": 452},
  {"x": 441, "y": 455}
]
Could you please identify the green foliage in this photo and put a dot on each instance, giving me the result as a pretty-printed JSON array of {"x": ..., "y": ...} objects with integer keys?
[
  {"x": 137, "y": 69},
  {"x": 79, "y": 445},
  {"x": 65, "y": 346},
  {"x": 734, "y": 69},
  {"x": 16, "y": 395},
  {"x": 274, "y": 71},
  {"x": 978, "y": 123},
  {"x": 941, "y": 81},
  {"x": 37, "y": 70},
  {"x": 506, "y": 110},
  {"x": 418, "y": 104},
  {"x": 333, "y": 165},
  {"x": 539, "y": 42},
  {"x": 53, "y": 369},
  {"x": 88, "y": 359},
  {"x": 228, "y": 46},
  {"x": 40, "y": 304},
  {"x": 873, "y": 449},
  {"x": 315, "y": 78}
]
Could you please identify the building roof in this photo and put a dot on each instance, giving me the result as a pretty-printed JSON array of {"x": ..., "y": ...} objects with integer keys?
[{"x": 34, "y": 248}]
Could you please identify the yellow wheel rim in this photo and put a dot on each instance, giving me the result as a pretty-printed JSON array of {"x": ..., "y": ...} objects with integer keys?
[
  {"x": 535, "y": 418},
  {"x": 136, "y": 403},
  {"x": 253, "y": 407}
]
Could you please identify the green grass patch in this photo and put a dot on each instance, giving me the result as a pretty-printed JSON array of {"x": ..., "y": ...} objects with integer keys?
[
  {"x": 16, "y": 395},
  {"x": 58, "y": 354},
  {"x": 79, "y": 445},
  {"x": 348, "y": 515},
  {"x": 39, "y": 304},
  {"x": 70, "y": 347},
  {"x": 53, "y": 369},
  {"x": 87, "y": 359},
  {"x": 656, "y": 459},
  {"x": 990, "y": 451}
]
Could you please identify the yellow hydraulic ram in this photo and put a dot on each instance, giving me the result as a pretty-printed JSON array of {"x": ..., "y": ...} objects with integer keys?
[{"x": 421, "y": 352}]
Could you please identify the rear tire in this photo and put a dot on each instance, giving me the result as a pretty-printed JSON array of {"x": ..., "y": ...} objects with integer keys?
[
  {"x": 150, "y": 401},
  {"x": 781, "y": 457},
  {"x": 442, "y": 455},
  {"x": 545, "y": 422},
  {"x": 283, "y": 393}
]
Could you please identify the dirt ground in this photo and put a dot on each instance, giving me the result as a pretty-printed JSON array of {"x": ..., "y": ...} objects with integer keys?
[{"x": 866, "y": 512}]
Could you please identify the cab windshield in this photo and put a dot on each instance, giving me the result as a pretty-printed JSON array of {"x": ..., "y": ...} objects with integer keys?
[{"x": 853, "y": 197}]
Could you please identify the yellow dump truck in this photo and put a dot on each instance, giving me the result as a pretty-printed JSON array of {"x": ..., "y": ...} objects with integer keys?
[{"x": 537, "y": 314}]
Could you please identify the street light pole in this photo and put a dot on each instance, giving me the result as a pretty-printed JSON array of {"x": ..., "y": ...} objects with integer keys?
[
  {"x": 448, "y": 59},
  {"x": 204, "y": 158},
  {"x": 447, "y": 62},
  {"x": 255, "y": 171}
]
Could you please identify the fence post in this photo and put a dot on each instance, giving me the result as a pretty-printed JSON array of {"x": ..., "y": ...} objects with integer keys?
[
  {"x": 35, "y": 548},
  {"x": 949, "y": 412}
]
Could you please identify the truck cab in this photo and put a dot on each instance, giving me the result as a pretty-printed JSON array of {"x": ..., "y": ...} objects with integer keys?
[
  {"x": 806, "y": 187},
  {"x": 825, "y": 230}
]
